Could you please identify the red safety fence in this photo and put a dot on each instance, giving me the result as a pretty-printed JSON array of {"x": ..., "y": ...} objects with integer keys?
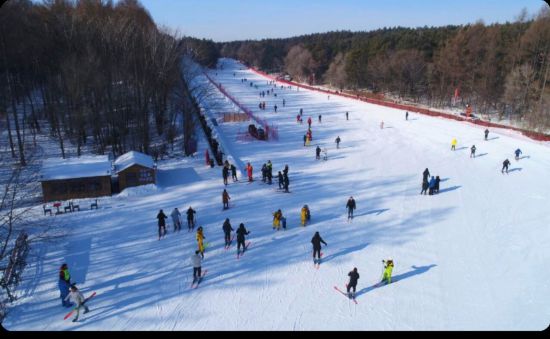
[
  {"x": 533, "y": 135},
  {"x": 271, "y": 131}
]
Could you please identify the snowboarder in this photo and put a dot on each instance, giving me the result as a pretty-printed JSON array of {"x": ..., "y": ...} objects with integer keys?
[
  {"x": 473, "y": 151},
  {"x": 280, "y": 177},
  {"x": 316, "y": 241},
  {"x": 176, "y": 219},
  {"x": 225, "y": 199},
  {"x": 437, "y": 181},
  {"x": 505, "y": 165},
  {"x": 407, "y": 116},
  {"x": 453, "y": 144},
  {"x": 431, "y": 185},
  {"x": 303, "y": 215},
  {"x": 337, "y": 141},
  {"x": 64, "y": 284},
  {"x": 277, "y": 219},
  {"x": 227, "y": 231},
  {"x": 78, "y": 299},
  {"x": 388, "y": 267},
  {"x": 351, "y": 206},
  {"x": 353, "y": 277},
  {"x": 191, "y": 219},
  {"x": 234, "y": 173},
  {"x": 486, "y": 134},
  {"x": 347, "y": 115},
  {"x": 241, "y": 232},
  {"x": 225, "y": 173},
  {"x": 249, "y": 171},
  {"x": 200, "y": 240},
  {"x": 162, "y": 224},
  {"x": 196, "y": 261},
  {"x": 518, "y": 153},
  {"x": 318, "y": 153}
]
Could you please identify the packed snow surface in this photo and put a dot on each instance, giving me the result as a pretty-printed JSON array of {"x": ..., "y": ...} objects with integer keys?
[{"x": 473, "y": 257}]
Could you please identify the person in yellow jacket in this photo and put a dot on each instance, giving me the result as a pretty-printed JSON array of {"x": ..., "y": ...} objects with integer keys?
[
  {"x": 388, "y": 267},
  {"x": 453, "y": 144},
  {"x": 304, "y": 215},
  {"x": 277, "y": 219},
  {"x": 200, "y": 240}
]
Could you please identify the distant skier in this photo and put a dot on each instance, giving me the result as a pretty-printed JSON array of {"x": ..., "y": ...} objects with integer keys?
[
  {"x": 303, "y": 215},
  {"x": 353, "y": 277},
  {"x": 191, "y": 219},
  {"x": 351, "y": 206},
  {"x": 77, "y": 297},
  {"x": 280, "y": 177},
  {"x": 338, "y": 142},
  {"x": 285, "y": 171},
  {"x": 176, "y": 219},
  {"x": 437, "y": 181},
  {"x": 431, "y": 185},
  {"x": 301, "y": 111},
  {"x": 200, "y": 240},
  {"x": 453, "y": 144},
  {"x": 347, "y": 115},
  {"x": 162, "y": 223},
  {"x": 196, "y": 261},
  {"x": 227, "y": 231},
  {"x": 277, "y": 219},
  {"x": 269, "y": 168},
  {"x": 234, "y": 173},
  {"x": 241, "y": 232},
  {"x": 225, "y": 199},
  {"x": 473, "y": 151},
  {"x": 518, "y": 153},
  {"x": 309, "y": 122},
  {"x": 388, "y": 268},
  {"x": 64, "y": 284},
  {"x": 320, "y": 118},
  {"x": 305, "y": 139},
  {"x": 316, "y": 241},
  {"x": 382, "y": 125},
  {"x": 284, "y": 102},
  {"x": 425, "y": 175},
  {"x": 425, "y": 185},
  {"x": 318, "y": 153},
  {"x": 486, "y": 134},
  {"x": 286, "y": 182},
  {"x": 505, "y": 165},
  {"x": 407, "y": 115},
  {"x": 249, "y": 171},
  {"x": 275, "y": 107},
  {"x": 264, "y": 172}
]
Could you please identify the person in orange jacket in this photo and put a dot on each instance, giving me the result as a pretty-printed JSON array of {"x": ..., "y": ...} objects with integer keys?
[
  {"x": 225, "y": 199},
  {"x": 249, "y": 171}
]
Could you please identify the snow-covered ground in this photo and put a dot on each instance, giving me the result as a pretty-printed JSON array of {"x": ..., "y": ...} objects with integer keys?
[{"x": 474, "y": 257}]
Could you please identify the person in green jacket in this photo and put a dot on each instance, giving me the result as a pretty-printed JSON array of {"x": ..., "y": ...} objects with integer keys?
[{"x": 388, "y": 267}]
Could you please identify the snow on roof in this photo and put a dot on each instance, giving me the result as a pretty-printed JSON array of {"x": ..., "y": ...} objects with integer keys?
[
  {"x": 133, "y": 158},
  {"x": 82, "y": 167}
]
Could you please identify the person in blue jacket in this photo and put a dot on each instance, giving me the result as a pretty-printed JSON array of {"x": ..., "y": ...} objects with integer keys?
[
  {"x": 431, "y": 185},
  {"x": 518, "y": 153}
]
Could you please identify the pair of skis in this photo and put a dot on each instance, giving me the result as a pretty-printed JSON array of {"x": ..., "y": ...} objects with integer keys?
[
  {"x": 228, "y": 245},
  {"x": 196, "y": 281},
  {"x": 74, "y": 309},
  {"x": 239, "y": 253},
  {"x": 317, "y": 262},
  {"x": 349, "y": 296}
]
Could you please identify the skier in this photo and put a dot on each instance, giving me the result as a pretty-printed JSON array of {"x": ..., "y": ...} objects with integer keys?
[
  {"x": 318, "y": 153},
  {"x": 286, "y": 182},
  {"x": 78, "y": 299},
  {"x": 301, "y": 111},
  {"x": 351, "y": 206},
  {"x": 191, "y": 219},
  {"x": 505, "y": 165},
  {"x": 285, "y": 171},
  {"x": 316, "y": 241},
  {"x": 431, "y": 185},
  {"x": 320, "y": 118},
  {"x": 388, "y": 267},
  {"x": 200, "y": 240},
  {"x": 275, "y": 108},
  {"x": 225, "y": 173},
  {"x": 162, "y": 224},
  {"x": 486, "y": 134},
  {"x": 234, "y": 173},
  {"x": 264, "y": 172},
  {"x": 424, "y": 186},
  {"x": 303, "y": 215},
  {"x": 518, "y": 153},
  {"x": 284, "y": 102},
  {"x": 473, "y": 151},
  {"x": 64, "y": 284},
  {"x": 196, "y": 261},
  {"x": 325, "y": 154},
  {"x": 353, "y": 277},
  {"x": 176, "y": 219},
  {"x": 277, "y": 219},
  {"x": 225, "y": 199},
  {"x": 347, "y": 115},
  {"x": 309, "y": 122},
  {"x": 437, "y": 181},
  {"x": 249, "y": 171},
  {"x": 241, "y": 232},
  {"x": 269, "y": 168},
  {"x": 280, "y": 177},
  {"x": 453, "y": 144},
  {"x": 407, "y": 116},
  {"x": 227, "y": 231},
  {"x": 338, "y": 142},
  {"x": 305, "y": 139},
  {"x": 425, "y": 175}
]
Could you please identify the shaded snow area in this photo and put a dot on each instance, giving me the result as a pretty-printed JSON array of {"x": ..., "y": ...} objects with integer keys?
[{"x": 473, "y": 257}]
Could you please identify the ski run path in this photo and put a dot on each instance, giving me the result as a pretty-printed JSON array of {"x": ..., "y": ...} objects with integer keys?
[{"x": 474, "y": 257}]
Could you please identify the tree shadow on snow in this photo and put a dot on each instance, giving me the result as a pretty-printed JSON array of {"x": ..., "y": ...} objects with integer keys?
[
  {"x": 461, "y": 148},
  {"x": 525, "y": 157},
  {"x": 344, "y": 252},
  {"x": 481, "y": 155},
  {"x": 415, "y": 271},
  {"x": 494, "y": 138},
  {"x": 515, "y": 170},
  {"x": 449, "y": 189},
  {"x": 377, "y": 212}
]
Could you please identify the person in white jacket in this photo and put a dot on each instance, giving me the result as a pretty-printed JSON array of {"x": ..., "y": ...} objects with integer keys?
[
  {"x": 77, "y": 297},
  {"x": 176, "y": 218},
  {"x": 196, "y": 260}
]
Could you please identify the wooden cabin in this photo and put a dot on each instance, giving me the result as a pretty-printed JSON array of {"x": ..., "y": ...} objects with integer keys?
[
  {"x": 76, "y": 178},
  {"x": 135, "y": 169}
]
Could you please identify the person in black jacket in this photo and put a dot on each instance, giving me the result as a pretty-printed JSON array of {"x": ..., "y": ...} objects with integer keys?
[
  {"x": 353, "y": 277},
  {"x": 425, "y": 175},
  {"x": 162, "y": 224},
  {"x": 351, "y": 206},
  {"x": 425, "y": 185},
  {"x": 234, "y": 173},
  {"x": 505, "y": 165},
  {"x": 191, "y": 219},
  {"x": 280, "y": 176},
  {"x": 227, "y": 231},
  {"x": 241, "y": 232},
  {"x": 316, "y": 241},
  {"x": 318, "y": 153},
  {"x": 225, "y": 173},
  {"x": 437, "y": 181}
]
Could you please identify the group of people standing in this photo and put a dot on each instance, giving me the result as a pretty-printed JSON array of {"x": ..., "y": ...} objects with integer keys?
[
  {"x": 429, "y": 186},
  {"x": 176, "y": 220}
]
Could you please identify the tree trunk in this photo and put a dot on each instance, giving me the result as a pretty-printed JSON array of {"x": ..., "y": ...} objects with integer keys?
[{"x": 10, "y": 137}]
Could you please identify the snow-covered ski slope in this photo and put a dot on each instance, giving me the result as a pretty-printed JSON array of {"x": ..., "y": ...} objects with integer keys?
[{"x": 474, "y": 257}]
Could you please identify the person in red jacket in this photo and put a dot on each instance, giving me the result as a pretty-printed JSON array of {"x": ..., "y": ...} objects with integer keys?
[
  {"x": 249, "y": 171},
  {"x": 309, "y": 121}
]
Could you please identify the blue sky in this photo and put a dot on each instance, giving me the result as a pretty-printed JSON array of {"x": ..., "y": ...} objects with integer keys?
[{"x": 225, "y": 20}]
